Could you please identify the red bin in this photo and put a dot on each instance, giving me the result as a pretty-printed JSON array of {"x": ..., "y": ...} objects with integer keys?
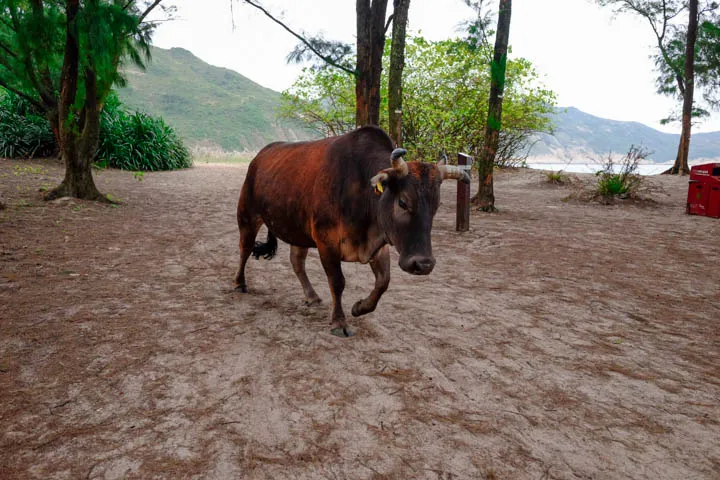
[{"x": 704, "y": 190}]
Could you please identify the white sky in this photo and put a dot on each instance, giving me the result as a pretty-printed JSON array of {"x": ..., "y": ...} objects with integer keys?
[{"x": 593, "y": 60}]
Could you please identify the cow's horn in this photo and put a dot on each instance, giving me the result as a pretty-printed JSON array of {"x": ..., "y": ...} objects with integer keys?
[
  {"x": 443, "y": 160},
  {"x": 451, "y": 171},
  {"x": 398, "y": 164}
]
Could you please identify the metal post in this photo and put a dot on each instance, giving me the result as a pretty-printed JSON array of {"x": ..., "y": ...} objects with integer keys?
[{"x": 462, "y": 223}]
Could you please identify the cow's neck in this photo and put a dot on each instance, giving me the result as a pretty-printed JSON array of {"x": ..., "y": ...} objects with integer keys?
[{"x": 366, "y": 249}]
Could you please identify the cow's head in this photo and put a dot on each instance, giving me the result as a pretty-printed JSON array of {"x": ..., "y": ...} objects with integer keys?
[{"x": 409, "y": 197}]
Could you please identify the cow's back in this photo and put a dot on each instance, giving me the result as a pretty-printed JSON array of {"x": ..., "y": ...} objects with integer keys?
[{"x": 296, "y": 187}]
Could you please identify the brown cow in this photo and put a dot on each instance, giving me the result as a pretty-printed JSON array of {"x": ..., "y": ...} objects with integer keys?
[{"x": 337, "y": 195}]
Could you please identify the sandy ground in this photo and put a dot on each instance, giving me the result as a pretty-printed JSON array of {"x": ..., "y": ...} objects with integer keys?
[{"x": 554, "y": 340}]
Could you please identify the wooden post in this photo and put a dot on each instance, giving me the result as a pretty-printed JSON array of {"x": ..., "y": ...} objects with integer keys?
[{"x": 462, "y": 223}]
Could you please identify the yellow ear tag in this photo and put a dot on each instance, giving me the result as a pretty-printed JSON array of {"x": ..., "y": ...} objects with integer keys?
[{"x": 378, "y": 188}]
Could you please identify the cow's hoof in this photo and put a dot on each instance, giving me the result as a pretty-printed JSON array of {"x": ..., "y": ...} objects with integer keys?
[
  {"x": 342, "y": 332},
  {"x": 357, "y": 309},
  {"x": 241, "y": 289},
  {"x": 313, "y": 301}
]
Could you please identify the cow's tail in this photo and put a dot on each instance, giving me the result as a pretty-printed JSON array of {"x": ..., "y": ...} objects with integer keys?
[{"x": 266, "y": 250}]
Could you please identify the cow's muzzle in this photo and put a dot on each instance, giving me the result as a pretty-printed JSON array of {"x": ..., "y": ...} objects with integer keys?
[{"x": 417, "y": 264}]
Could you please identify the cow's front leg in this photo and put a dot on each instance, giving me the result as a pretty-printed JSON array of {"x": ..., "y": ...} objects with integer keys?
[
  {"x": 331, "y": 262},
  {"x": 380, "y": 265}
]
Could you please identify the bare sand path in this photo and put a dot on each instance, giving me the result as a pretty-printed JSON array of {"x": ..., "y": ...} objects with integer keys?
[{"x": 555, "y": 340}]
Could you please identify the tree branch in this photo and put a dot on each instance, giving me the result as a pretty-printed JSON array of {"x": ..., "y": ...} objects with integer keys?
[
  {"x": 667, "y": 15},
  {"x": 8, "y": 24},
  {"x": 21, "y": 94},
  {"x": 7, "y": 49},
  {"x": 387, "y": 24},
  {"x": 149, "y": 9},
  {"x": 303, "y": 40}
]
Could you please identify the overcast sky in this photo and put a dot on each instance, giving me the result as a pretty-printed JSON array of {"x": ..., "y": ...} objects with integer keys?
[{"x": 593, "y": 60}]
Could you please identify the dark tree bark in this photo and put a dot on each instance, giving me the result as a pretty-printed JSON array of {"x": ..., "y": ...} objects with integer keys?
[
  {"x": 485, "y": 198},
  {"x": 397, "y": 63},
  {"x": 370, "y": 44},
  {"x": 76, "y": 140},
  {"x": 681, "y": 161}
]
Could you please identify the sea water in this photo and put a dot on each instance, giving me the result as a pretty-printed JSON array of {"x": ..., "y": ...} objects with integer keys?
[{"x": 645, "y": 169}]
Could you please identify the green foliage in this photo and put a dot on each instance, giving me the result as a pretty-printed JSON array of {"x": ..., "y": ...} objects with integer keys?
[
  {"x": 33, "y": 39},
  {"x": 138, "y": 142},
  {"x": 611, "y": 184},
  {"x": 445, "y": 98},
  {"x": 324, "y": 99},
  {"x": 670, "y": 27},
  {"x": 707, "y": 64},
  {"x": 24, "y": 131},
  {"x": 621, "y": 180}
]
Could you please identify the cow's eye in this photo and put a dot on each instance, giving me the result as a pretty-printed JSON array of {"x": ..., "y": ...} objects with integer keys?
[{"x": 402, "y": 204}]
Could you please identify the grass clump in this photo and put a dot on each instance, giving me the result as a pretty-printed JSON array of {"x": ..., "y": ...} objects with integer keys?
[
  {"x": 557, "y": 178},
  {"x": 621, "y": 180}
]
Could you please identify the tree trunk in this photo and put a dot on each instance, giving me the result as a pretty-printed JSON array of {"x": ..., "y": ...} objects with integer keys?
[
  {"x": 397, "y": 63},
  {"x": 485, "y": 198},
  {"x": 370, "y": 44},
  {"x": 54, "y": 118},
  {"x": 681, "y": 161},
  {"x": 76, "y": 146}
]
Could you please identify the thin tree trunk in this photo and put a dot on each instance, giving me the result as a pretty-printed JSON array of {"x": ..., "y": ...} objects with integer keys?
[
  {"x": 370, "y": 44},
  {"x": 75, "y": 144},
  {"x": 397, "y": 63},
  {"x": 681, "y": 161},
  {"x": 363, "y": 62},
  {"x": 485, "y": 198}
]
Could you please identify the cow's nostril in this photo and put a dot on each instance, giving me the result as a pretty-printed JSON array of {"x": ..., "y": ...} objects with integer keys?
[{"x": 423, "y": 266}]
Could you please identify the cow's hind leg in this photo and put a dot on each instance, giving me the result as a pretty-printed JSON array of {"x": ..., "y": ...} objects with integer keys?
[
  {"x": 380, "y": 265},
  {"x": 249, "y": 227},
  {"x": 331, "y": 262},
  {"x": 297, "y": 258}
]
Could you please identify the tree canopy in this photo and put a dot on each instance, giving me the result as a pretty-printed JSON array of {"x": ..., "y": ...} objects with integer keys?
[
  {"x": 64, "y": 57},
  {"x": 686, "y": 57},
  {"x": 445, "y": 88}
]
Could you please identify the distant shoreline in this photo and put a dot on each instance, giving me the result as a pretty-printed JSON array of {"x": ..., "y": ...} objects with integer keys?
[{"x": 643, "y": 169}]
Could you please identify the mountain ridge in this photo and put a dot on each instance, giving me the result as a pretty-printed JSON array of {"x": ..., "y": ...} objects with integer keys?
[
  {"x": 219, "y": 108},
  {"x": 208, "y": 105},
  {"x": 578, "y": 134}
]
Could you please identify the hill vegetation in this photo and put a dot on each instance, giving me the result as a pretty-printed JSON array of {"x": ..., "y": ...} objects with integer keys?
[{"x": 207, "y": 104}]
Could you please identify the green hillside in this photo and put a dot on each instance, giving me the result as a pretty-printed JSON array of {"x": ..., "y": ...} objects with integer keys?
[{"x": 207, "y": 104}]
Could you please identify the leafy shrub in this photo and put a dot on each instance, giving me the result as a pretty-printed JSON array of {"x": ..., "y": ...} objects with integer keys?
[
  {"x": 138, "y": 142},
  {"x": 129, "y": 141},
  {"x": 24, "y": 131},
  {"x": 623, "y": 181}
]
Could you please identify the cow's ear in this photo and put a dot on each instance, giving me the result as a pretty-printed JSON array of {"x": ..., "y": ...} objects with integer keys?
[{"x": 379, "y": 182}]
